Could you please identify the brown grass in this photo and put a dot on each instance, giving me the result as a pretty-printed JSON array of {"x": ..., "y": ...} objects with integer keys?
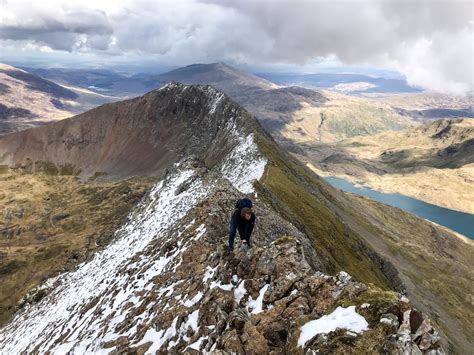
[{"x": 48, "y": 224}]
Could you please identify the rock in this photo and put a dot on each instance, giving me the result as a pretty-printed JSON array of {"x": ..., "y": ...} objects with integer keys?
[
  {"x": 254, "y": 342},
  {"x": 277, "y": 334},
  {"x": 280, "y": 288},
  {"x": 426, "y": 336},
  {"x": 390, "y": 319},
  {"x": 343, "y": 277},
  {"x": 416, "y": 318},
  {"x": 59, "y": 216},
  {"x": 230, "y": 341},
  {"x": 238, "y": 318}
]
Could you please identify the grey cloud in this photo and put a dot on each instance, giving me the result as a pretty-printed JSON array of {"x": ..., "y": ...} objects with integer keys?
[
  {"x": 66, "y": 31},
  {"x": 428, "y": 41}
]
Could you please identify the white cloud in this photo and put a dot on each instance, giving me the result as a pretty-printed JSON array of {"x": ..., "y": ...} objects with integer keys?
[{"x": 431, "y": 42}]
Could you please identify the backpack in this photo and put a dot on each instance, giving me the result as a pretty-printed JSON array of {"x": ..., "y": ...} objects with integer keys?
[{"x": 243, "y": 202}]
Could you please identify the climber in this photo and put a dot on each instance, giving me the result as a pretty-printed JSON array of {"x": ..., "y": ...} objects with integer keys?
[{"x": 243, "y": 220}]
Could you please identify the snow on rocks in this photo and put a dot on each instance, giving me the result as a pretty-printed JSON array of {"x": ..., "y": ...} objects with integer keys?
[
  {"x": 252, "y": 165},
  {"x": 345, "y": 318},
  {"x": 194, "y": 300},
  {"x": 240, "y": 291},
  {"x": 256, "y": 306},
  {"x": 40, "y": 327}
]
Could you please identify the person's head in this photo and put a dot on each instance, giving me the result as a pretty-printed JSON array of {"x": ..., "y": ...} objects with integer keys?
[{"x": 246, "y": 213}]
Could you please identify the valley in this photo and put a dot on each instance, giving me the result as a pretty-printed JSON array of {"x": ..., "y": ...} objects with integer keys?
[
  {"x": 27, "y": 100},
  {"x": 51, "y": 222},
  {"x": 433, "y": 162}
]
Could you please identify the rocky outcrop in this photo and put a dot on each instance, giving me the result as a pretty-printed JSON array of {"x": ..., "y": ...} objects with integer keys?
[{"x": 166, "y": 286}]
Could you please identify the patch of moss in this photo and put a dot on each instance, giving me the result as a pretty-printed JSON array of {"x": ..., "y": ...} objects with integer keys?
[
  {"x": 3, "y": 169},
  {"x": 283, "y": 240}
]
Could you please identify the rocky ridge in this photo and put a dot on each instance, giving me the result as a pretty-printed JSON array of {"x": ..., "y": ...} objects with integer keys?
[
  {"x": 163, "y": 283},
  {"x": 164, "y": 286}
]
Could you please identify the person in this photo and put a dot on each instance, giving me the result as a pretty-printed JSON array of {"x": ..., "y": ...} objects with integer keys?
[{"x": 243, "y": 221}]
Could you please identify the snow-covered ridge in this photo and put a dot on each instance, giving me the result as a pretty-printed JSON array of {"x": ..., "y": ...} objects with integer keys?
[
  {"x": 61, "y": 314},
  {"x": 60, "y": 311}
]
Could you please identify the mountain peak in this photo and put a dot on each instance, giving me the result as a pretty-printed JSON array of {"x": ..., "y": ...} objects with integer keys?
[
  {"x": 220, "y": 75},
  {"x": 141, "y": 136}
]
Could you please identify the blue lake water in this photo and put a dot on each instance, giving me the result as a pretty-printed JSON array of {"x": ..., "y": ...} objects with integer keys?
[{"x": 457, "y": 221}]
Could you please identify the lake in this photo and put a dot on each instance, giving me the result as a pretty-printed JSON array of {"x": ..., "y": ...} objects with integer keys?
[{"x": 460, "y": 222}]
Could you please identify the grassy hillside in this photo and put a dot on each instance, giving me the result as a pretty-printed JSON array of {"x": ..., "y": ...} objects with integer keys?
[
  {"x": 378, "y": 244},
  {"x": 50, "y": 223},
  {"x": 433, "y": 162}
]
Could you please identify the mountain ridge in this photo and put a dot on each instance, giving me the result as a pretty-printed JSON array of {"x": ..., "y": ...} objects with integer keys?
[
  {"x": 82, "y": 141},
  {"x": 247, "y": 157}
]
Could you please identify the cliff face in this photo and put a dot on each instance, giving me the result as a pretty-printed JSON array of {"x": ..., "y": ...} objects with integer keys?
[{"x": 163, "y": 283}]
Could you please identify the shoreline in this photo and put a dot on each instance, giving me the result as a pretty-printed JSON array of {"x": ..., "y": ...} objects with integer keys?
[{"x": 359, "y": 182}]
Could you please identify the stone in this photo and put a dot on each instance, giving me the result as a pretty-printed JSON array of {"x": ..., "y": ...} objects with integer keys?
[
  {"x": 238, "y": 318},
  {"x": 390, "y": 319},
  {"x": 230, "y": 341},
  {"x": 255, "y": 342},
  {"x": 343, "y": 277}
]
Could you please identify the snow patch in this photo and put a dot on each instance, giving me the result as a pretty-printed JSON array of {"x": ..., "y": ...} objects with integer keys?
[
  {"x": 244, "y": 165},
  {"x": 194, "y": 300},
  {"x": 225, "y": 287},
  {"x": 345, "y": 318},
  {"x": 240, "y": 292},
  {"x": 209, "y": 273},
  {"x": 256, "y": 306},
  {"x": 197, "y": 344}
]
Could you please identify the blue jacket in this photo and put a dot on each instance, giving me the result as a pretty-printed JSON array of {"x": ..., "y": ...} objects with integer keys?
[{"x": 245, "y": 227}]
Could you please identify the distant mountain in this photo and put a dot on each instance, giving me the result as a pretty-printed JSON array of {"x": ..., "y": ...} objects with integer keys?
[
  {"x": 162, "y": 281},
  {"x": 347, "y": 83},
  {"x": 220, "y": 75},
  {"x": 27, "y": 100},
  {"x": 433, "y": 162},
  {"x": 292, "y": 113},
  {"x": 289, "y": 113}
]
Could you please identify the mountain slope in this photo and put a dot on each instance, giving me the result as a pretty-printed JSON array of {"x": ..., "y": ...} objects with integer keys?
[
  {"x": 164, "y": 286},
  {"x": 126, "y": 138},
  {"x": 27, "y": 100},
  {"x": 154, "y": 281},
  {"x": 433, "y": 162}
]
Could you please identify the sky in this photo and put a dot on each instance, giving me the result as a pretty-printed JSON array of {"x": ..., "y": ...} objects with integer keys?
[{"x": 430, "y": 42}]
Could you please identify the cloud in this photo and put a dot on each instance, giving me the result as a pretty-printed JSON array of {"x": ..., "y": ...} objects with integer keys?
[
  {"x": 428, "y": 41},
  {"x": 60, "y": 26}
]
